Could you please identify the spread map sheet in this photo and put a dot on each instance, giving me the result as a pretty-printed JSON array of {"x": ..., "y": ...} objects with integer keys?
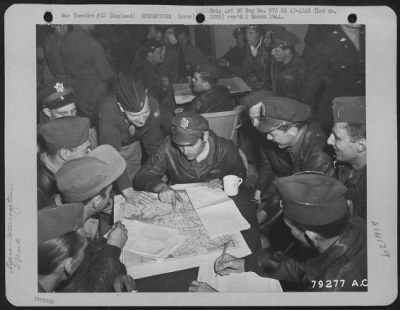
[{"x": 195, "y": 249}]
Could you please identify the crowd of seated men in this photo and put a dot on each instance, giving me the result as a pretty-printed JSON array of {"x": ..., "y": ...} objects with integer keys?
[{"x": 103, "y": 132}]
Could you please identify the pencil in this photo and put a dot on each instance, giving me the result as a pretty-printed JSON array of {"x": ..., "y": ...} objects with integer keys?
[
  {"x": 223, "y": 252},
  {"x": 225, "y": 247},
  {"x": 287, "y": 250}
]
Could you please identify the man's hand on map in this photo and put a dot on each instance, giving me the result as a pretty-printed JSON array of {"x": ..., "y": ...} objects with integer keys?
[
  {"x": 226, "y": 263},
  {"x": 138, "y": 198},
  {"x": 118, "y": 235},
  {"x": 124, "y": 283},
  {"x": 201, "y": 287},
  {"x": 215, "y": 184},
  {"x": 168, "y": 195}
]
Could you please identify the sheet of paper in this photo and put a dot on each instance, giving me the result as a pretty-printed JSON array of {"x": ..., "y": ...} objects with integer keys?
[
  {"x": 181, "y": 99},
  {"x": 223, "y": 218},
  {"x": 218, "y": 213},
  {"x": 203, "y": 196},
  {"x": 151, "y": 241},
  {"x": 197, "y": 247},
  {"x": 185, "y": 186},
  {"x": 235, "y": 85},
  {"x": 245, "y": 282}
]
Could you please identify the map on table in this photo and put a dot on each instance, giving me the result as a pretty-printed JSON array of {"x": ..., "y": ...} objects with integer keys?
[{"x": 196, "y": 248}]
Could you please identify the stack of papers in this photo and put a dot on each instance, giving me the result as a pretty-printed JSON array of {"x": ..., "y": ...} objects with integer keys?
[
  {"x": 218, "y": 213},
  {"x": 235, "y": 85},
  {"x": 183, "y": 93},
  {"x": 151, "y": 241}
]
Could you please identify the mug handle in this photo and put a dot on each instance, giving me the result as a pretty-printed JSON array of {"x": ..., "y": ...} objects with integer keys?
[{"x": 240, "y": 180}]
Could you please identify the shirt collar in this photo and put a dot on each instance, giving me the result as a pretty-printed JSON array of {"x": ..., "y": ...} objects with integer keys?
[
  {"x": 211, "y": 151},
  {"x": 204, "y": 152},
  {"x": 254, "y": 49},
  {"x": 48, "y": 164}
]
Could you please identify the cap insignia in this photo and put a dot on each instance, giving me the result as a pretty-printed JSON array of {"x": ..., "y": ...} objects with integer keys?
[
  {"x": 184, "y": 123},
  {"x": 60, "y": 89}
]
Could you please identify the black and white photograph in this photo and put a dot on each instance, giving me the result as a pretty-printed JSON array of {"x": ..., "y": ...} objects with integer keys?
[{"x": 184, "y": 151}]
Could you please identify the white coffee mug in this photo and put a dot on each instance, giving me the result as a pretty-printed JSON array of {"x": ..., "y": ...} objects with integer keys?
[{"x": 231, "y": 184}]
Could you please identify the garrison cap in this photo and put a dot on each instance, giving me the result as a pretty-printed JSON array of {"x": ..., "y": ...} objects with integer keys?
[
  {"x": 312, "y": 198},
  {"x": 83, "y": 178},
  {"x": 131, "y": 94},
  {"x": 56, "y": 94},
  {"x": 187, "y": 128},
  {"x": 56, "y": 221},
  {"x": 281, "y": 111},
  {"x": 65, "y": 132},
  {"x": 349, "y": 109},
  {"x": 284, "y": 38}
]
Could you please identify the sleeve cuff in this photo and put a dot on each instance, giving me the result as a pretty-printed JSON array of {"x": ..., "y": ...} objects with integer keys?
[
  {"x": 250, "y": 262},
  {"x": 123, "y": 181},
  {"x": 111, "y": 251}
]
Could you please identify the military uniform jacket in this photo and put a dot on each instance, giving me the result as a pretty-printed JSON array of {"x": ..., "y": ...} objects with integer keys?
[
  {"x": 216, "y": 99},
  {"x": 337, "y": 69},
  {"x": 223, "y": 159},
  {"x": 235, "y": 56},
  {"x": 99, "y": 269},
  {"x": 114, "y": 130},
  {"x": 306, "y": 155},
  {"x": 53, "y": 56},
  {"x": 151, "y": 77},
  {"x": 46, "y": 185},
  {"x": 342, "y": 267},
  {"x": 287, "y": 80},
  {"x": 170, "y": 66},
  {"x": 255, "y": 69},
  {"x": 356, "y": 183},
  {"x": 86, "y": 62}
]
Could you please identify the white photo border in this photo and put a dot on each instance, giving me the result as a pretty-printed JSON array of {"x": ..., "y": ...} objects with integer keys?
[{"x": 20, "y": 154}]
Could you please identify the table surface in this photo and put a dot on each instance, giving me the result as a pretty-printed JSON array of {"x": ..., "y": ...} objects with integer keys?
[
  {"x": 179, "y": 281},
  {"x": 235, "y": 85}
]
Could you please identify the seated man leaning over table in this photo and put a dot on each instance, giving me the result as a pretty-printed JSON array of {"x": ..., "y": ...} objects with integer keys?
[
  {"x": 210, "y": 97},
  {"x": 191, "y": 154},
  {"x": 315, "y": 210},
  {"x": 89, "y": 180}
]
